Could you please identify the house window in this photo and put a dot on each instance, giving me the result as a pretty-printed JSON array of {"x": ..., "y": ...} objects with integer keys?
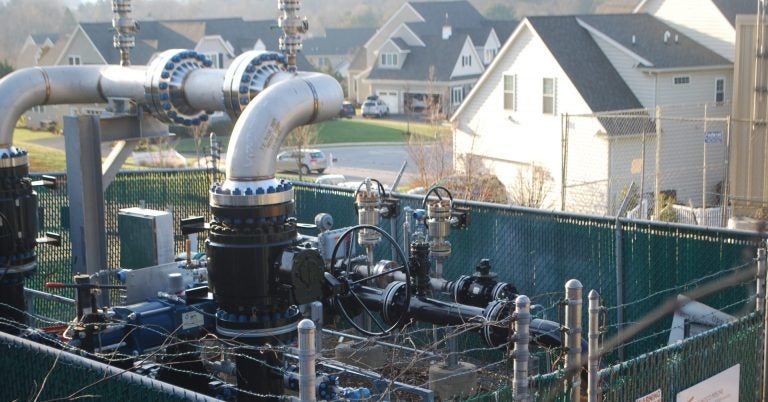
[
  {"x": 74, "y": 60},
  {"x": 682, "y": 80},
  {"x": 217, "y": 59},
  {"x": 38, "y": 109},
  {"x": 466, "y": 60},
  {"x": 490, "y": 54},
  {"x": 510, "y": 92},
  {"x": 389, "y": 59},
  {"x": 457, "y": 95},
  {"x": 548, "y": 96},
  {"x": 719, "y": 90}
]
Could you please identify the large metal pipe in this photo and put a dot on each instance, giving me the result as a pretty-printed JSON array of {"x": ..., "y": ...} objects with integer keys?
[
  {"x": 203, "y": 89},
  {"x": 289, "y": 102},
  {"x": 23, "y": 89}
]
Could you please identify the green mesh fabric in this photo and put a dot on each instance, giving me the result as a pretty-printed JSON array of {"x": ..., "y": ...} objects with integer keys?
[{"x": 537, "y": 251}]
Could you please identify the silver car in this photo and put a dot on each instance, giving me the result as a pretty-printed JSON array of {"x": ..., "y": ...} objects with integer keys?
[{"x": 302, "y": 161}]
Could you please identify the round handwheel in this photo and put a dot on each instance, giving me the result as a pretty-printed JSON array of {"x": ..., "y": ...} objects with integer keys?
[
  {"x": 353, "y": 285},
  {"x": 434, "y": 190}
]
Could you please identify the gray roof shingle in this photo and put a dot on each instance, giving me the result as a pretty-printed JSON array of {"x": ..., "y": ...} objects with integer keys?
[
  {"x": 338, "y": 41},
  {"x": 649, "y": 41},
  {"x": 587, "y": 67},
  {"x": 460, "y": 13},
  {"x": 40, "y": 38},
  {"x": 438, "y": 53},
  {"x": 241, "y": 34},
  {"x": 730, "y": 8}
]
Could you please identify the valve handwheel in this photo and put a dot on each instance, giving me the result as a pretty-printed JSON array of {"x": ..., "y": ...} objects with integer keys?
[
  {"x": 435, "y": 190},
  {"x": 353, "y": 285}
]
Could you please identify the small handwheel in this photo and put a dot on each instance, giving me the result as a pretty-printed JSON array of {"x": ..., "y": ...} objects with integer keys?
[
  {"x": 352, "y": 285},
  {"x": 434, "y": 190}
]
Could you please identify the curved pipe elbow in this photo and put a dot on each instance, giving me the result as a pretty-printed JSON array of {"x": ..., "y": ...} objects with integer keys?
[
  {"x": 23, "y": 89},
  {"x": 291, "y": 101}
]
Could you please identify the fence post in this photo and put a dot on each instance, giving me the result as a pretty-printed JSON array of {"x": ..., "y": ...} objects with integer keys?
[
  {"x": 593, "y": 353},
  {"x": 573, "y": 294},
  {"x": 657, "y": 180},
  {"x": 307, "y": 361},
  {"x": 760, "y": 301},
  {"x": 520, "y": 353}
]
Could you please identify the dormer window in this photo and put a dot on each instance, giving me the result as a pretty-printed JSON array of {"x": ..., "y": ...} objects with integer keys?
[
  {"x": 389, "y": 59},
  {"x": 466, "y": 60},
  {"x": 490, "y": 54}
]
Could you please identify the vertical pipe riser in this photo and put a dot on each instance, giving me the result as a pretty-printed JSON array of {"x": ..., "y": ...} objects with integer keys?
[
  {"x": 521, "y": 354},
  {"x": 762, "y": 306},
  {"x": 307, "y": 354},
  {"x": 573, "y": 292},
  {"x": 594, "y": 352}
]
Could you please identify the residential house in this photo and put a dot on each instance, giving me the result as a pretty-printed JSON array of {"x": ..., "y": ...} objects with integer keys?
[
  {"x": 222, "y": 39},
  {"x": 592, "y": 65},
  {"x": 709, "y": 22},
  {"x": 336, "y": 48},
  {"x": 36, "y": 49},
  {"x": 427, "y": 54}
]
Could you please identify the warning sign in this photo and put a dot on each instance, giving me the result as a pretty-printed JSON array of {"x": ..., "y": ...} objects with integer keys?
[
  {"x": 654, "y": 396},
  {"x": 723, "y": 387}
]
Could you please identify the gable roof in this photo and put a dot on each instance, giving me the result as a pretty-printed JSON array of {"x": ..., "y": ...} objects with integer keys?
[
  {"x": 338, "y": 41},
  {"x": 40, "y": 38},
  {"x": 100, "y": 33},
  {"x": 648, "y": 32},
  {"x": 438, "y": 55},
  {"x": 460, "y": 13},
  {"x": 584, "y": 63},
  {"x": 731, "y": 8},
  {"x": 155, "y": 36}
]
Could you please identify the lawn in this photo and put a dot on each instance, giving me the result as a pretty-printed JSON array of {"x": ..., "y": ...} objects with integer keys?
[
  {"x": 44, "y": 159},
  {"x": 343, "y": 131}
]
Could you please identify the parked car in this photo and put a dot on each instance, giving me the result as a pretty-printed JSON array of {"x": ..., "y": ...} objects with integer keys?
[
  {"x": 347, "y": 110},
  {"x": 310, "y": 159},
  {"x": 331, "y": 179},
  {"x": 375, "y": 108}
]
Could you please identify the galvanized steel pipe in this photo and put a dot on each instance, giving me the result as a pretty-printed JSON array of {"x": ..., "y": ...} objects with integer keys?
[
  {"x": 573, "y": 295},
  {"x": 593, "y": 352},
  {"x": 307, "y": 361},
  {"x": 520, "y": 353}
]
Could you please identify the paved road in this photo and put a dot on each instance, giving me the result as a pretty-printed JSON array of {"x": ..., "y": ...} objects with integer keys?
[
  {"x": 381, "y": 162},
  {"x": 355, "y": 162}
]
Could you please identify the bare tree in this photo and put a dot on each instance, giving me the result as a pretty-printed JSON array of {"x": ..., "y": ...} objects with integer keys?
[
  {"x": 199, "y": 133},
  {"x": 300, "y": 139},
  {"x": 531, "y": 186}
]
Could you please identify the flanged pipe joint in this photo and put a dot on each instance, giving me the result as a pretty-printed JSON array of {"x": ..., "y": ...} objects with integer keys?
[
  {"x": 165, "y": 82},
  {"x": 18, "y": 208},
  {"x": 247, "y": 76}
]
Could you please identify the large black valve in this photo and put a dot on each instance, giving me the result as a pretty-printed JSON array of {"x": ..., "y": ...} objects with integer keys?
[{"x": 347, "y": 284}]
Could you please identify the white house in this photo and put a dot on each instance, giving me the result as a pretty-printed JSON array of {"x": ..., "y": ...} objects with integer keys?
[
  {"x": 554, "y": 66},
  {"x": 427, "y": 52},
  {"x": 709, "y": 22}
]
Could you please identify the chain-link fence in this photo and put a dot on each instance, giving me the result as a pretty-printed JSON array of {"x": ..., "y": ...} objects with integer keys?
[
  {"x": 535, "y": 250},
  {"x": 670, "y": 155}
]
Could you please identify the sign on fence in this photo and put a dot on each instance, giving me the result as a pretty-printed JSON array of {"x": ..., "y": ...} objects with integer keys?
[
  {"x": 723, "y": 387},
  {"x": 654, "y": 396},
  {"x": 713, "y": 137}
]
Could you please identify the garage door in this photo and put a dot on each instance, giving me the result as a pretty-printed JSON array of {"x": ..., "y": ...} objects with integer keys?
[{"x": 391, "y": 99}]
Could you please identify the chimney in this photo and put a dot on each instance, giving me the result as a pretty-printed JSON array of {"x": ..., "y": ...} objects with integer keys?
[{"x": 446, "y": 29}]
